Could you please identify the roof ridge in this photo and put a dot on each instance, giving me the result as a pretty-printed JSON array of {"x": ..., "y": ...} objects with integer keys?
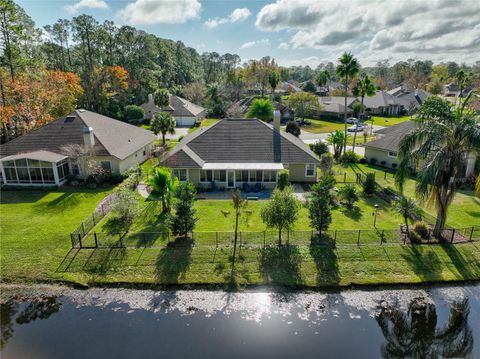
[{"x": 94, "y": 134}]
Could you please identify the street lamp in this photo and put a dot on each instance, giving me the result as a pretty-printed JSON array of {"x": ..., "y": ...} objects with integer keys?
[{"x": 375, "y": 215}]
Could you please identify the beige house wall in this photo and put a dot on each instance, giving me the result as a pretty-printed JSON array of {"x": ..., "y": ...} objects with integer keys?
[
  {"x": 380, "y": 155},
  {"x": 135, "y": 159},
  {"x": 297, "y": 173}
]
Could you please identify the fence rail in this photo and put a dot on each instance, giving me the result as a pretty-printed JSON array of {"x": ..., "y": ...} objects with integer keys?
[{"x": 263, "y": 238}]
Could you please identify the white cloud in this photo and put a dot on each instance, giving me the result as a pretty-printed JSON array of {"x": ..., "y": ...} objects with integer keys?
[
  {"x": 386, "y": 28},
  {"x": 237, "y": 15},
  {"x": 149, "y": 12},
  {"x": 249, "y": 44},
  {"x": 283, "y": 46},
  {"x": 85, "y": 4}
]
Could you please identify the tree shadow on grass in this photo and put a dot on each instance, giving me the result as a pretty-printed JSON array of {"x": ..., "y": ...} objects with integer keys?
[
  {"x": 465, "y": 263},
  {"x": 173, "y": 261},
  {"x": 427, "y": 266},
  {"x": 102, "y": 261},
  {"x": 281, "y": 264},
  {"x": 115, "y": 225},
  {"x": 323, "y": 252},
  {"x": 354, "y": 213},
  {"x": 153, "y": 228}
]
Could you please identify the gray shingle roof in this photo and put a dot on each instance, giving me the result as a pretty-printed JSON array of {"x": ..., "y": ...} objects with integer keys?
[
  {"x": 239, "y": 141},
  {"x": 179, "y": 107},
  {"x": 112, "y": 137},
  {"x": 391, "y": 136}
]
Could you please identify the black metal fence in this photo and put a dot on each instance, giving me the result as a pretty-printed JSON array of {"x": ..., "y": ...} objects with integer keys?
[{"x": 264, "y": 238}]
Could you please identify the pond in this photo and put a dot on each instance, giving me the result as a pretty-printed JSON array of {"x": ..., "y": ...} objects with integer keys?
[{"x": 58, "y": 322}]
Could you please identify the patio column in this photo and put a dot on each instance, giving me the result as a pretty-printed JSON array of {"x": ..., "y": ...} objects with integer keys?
[{"x": 55, "y": 174}]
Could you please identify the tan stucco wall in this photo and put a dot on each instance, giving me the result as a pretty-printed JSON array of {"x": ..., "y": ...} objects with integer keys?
[
  {"x": 297, "y": 173},
  {"x": 134, "y": 159},
  {"x": 380, "y": 156}
]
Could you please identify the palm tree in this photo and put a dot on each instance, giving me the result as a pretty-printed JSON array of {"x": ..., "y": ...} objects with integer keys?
[
  {"x": 273, "y": 80},
  {"x": 322, "y": 78},
  {"x": 336, "y": 139},
  {"x": 163, "y": 122},
  {"x": 407, "y": 208},
  {"x": 238, "y": 203},
  {"x": 347, "y": 68},
  {"x": 164, "y": 184},
  {"x": 440, "y": 141},
  {"x": 414, "y": 334},
  {"x": 364, "y": 87}
]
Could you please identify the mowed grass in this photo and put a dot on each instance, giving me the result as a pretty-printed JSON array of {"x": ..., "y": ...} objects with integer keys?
[
  {"x": 388, "y": 121},
  {"x": 35, "y": 246},
  {"x": 205, "y": 123},
  {"x": 323, "y": 126}
]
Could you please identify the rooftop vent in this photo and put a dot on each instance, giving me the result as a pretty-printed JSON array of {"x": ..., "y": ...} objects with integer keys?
[
  {"x": 81, "y": 110},
  {"x": 69, "y": 119}
]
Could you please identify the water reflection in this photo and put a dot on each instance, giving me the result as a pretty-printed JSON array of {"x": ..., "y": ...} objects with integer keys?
[
  {"x": 414, "y": 333},
  {"x": 41, "y": 307}
]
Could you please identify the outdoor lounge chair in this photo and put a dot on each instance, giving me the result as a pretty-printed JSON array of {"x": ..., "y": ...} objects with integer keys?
[
  {"x": 258, "y": 187},
  {"x": 246, "y": 187}
]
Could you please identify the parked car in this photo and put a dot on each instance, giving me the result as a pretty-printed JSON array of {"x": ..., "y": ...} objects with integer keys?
[
  {"x": 352, "y": 120},
  {"x": 302, "y": 122},
  {"x": 356, "y": 128}
]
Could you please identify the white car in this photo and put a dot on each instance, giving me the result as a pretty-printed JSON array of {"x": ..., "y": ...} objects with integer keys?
[
  {"x": 352, "y": 120},
  {"x": 356, "y": 128}
]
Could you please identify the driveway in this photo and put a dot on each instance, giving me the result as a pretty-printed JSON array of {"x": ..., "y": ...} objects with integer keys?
[{"x": 179, "y": 131}]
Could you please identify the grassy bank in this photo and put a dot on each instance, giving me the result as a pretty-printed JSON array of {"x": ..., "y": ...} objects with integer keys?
[{"x": 35, "y": 246}]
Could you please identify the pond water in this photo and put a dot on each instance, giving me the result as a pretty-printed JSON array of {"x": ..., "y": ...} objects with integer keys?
[{"x": 57, "y": 322}]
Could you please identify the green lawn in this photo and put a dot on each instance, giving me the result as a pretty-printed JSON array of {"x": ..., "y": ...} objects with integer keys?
[
  {"x": 360, "y": 139},
  {"x": 205, "y": 123},
  {"x": 322, "y": 126},
  {"x": 388, "y": 121},
  {"x": 35, "y": 246}
]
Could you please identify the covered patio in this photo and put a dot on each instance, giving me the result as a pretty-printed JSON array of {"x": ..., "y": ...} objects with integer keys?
[{"x": 37, "y": 168}]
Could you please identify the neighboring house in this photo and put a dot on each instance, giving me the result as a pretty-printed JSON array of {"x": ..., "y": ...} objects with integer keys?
[
  {"x": 232, "y": 152},
  {"x": 287, "y": 87},
  {"x": 384, "y": 149},
  {"x": 184, "y": 112},
  {"x": 240, "y": 108},
  {"x": 382, "y": 103},
  {"x": 451, "y": 90},
  {"x": 410, "y": 100},
  {"x": 40, "y": 157}
]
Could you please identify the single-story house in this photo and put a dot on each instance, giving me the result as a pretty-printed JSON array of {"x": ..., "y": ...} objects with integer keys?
[
  {"x": 452, "y": 90},
  {"x": 290, "y": 87},
  {"x": 384, "y": 149},
  {"x": 410, "y": 100},
  {"x": 240, "y": 108},
  {"x": 235, "y": 151},
  {"x": 382, "y": 103},
  {"x": 185, "y": 112},
  {"x": 77, "y": 144}
]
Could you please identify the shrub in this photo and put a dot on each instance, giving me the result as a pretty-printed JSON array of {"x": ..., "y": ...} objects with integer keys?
[
  {"x": 349, "y": 157},
  {"x": 283, "y": 177},
  {"x": 348, "y": 194},
  {"x": 125, "y": 206},
  {"x": 197, "y": 123},
  {"x": 293, "y": 128},
  {"x": 394, "y": 165},
  {"x": 326, "y": 163},
  {"x": 319, "y": 148},
  {"x": 133, "y": 113},
  {"x": 421, "y": 229},
  {"x": 185, "y": 218},
  {"x": 369, "y": 185},
  {"x": 373, "y": 161},
  {"x": 383, "y": 163}
]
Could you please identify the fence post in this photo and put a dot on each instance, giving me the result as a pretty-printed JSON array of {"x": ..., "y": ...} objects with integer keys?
[
  {"x": 358, "y": 239},
  {"x": 80, "y": 240},
  {"x": 72, "y": 240},
  {"x": 240, "y": 238},
  {"x": 95, "y": 236},
  {"x": 471, "y": 233},
  {"x": 382, "y": 236},
  {"x": 453, "y": 235},
  {"x": 93, "y": 216},
  {"x": 385, "y": 175}
]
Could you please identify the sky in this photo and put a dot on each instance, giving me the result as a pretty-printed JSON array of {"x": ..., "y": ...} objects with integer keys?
[{"x": 294, "y": 32}]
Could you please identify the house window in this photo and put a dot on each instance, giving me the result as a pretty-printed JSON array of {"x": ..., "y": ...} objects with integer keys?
[
  {"x": 63, "y": 170},
  {"x": 106, "y": 166},
  {"x": 180, "y": 173},
  {"x": 252, "y": 176},
  {"x": 75, "y": 169},
  {"x": 144, "y": 152},
  {"x": 220, "y": 176},
  {"x": 205, "y": 176},
  {"x": 392, "y": 154},
  {"x": 310, "y": 170},
  {"x": 269, "y": 176},
  {"x": 241, "y": 176},
  {"x": 10, "y": 175}
]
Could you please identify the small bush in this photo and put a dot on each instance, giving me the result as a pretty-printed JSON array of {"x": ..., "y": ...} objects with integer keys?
[
  {"x": 319, "y": 148},
  {"x": 363, "y": 160},
  {"x": 369, "y": 185},
  {"x": 394, "y": 165},
  {"x": 421, "y": 229},
  {"x": 197, "y": 123},
  {"x": 414, "y": 237},
  {"x": 373, "y": 161},
  {"x": 293, "y": 128},
  {"x": 349, "y": 157},
  {"x": 283, "y": 179}
]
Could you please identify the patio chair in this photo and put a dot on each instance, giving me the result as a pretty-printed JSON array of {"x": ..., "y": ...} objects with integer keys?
[
  {"x": 257, "y": 187},
  {"x": 246, "y": 187}
]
